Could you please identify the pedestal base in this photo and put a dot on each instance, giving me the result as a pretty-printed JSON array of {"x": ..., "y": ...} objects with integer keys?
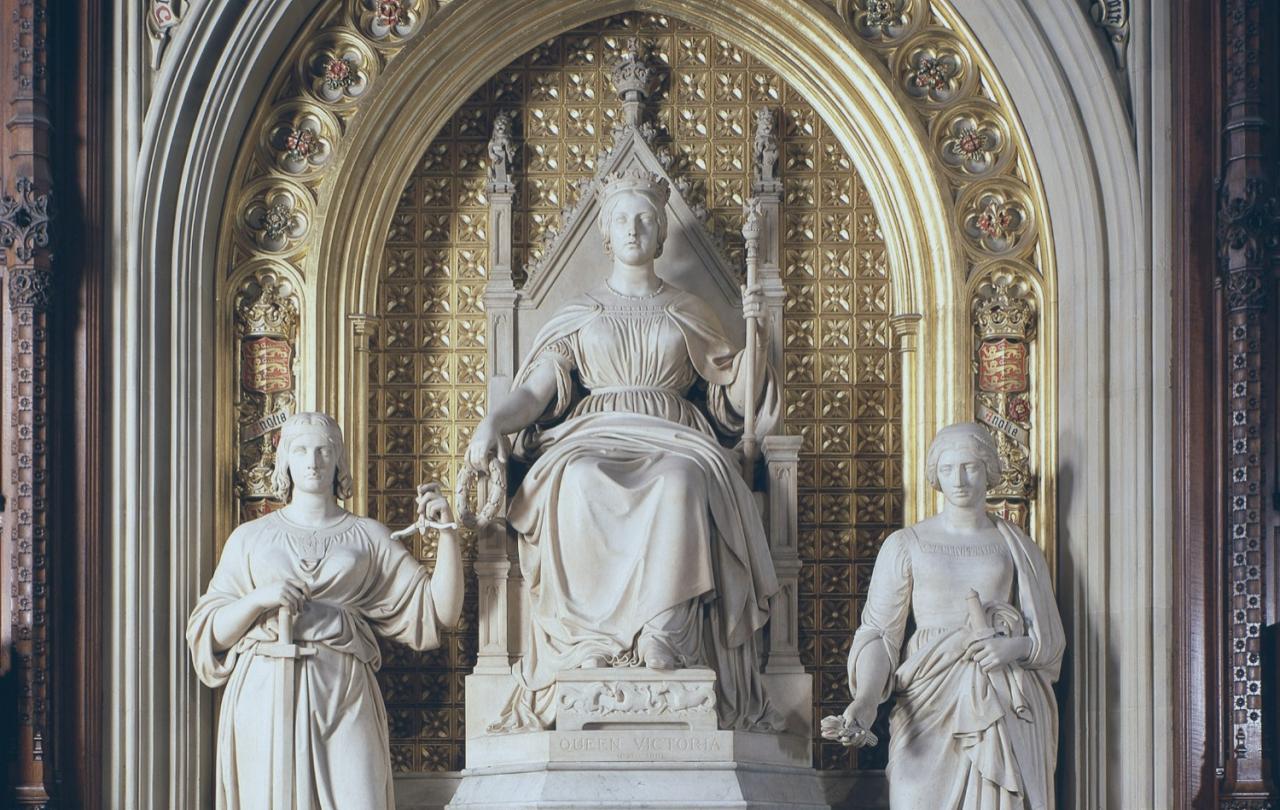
[
  {"x": 633, "y": 738},
  {"x": 604, "y": 770}
]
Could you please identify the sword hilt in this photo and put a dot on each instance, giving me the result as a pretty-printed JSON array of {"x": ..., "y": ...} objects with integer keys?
[
  {"x": 284, "y": 623},
  {"x": 284, "y": 647}
]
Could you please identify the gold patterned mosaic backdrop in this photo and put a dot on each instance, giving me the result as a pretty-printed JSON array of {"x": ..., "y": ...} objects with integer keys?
[{"x": 842, "y": 386}]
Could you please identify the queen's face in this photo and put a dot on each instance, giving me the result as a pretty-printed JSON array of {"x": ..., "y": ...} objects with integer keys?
[
  {"x": 962, "y": 477},
  {"x": 313, "y": 462},
  {"x": 633, "y": 230}
]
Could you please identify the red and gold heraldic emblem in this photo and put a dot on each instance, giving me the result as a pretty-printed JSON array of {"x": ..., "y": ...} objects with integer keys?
[
  {"x": 267, "y": 365},
  {"x": 1002, "y": 367},
  {"x": 252, "y": 510}
]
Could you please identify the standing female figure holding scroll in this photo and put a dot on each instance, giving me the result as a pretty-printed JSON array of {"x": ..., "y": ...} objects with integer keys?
[{"x": 974, "y": 725}]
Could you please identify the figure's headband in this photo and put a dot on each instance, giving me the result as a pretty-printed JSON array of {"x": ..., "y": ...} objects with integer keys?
[{"x": 639, "y": 181}]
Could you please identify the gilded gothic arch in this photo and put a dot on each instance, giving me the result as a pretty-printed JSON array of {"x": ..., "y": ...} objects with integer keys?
[{"x": 808, "y": 47}]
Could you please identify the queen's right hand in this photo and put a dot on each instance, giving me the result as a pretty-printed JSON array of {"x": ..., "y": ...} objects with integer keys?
[{"x": 486, "y": 443}]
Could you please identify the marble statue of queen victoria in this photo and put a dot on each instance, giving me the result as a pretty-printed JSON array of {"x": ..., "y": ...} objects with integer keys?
[{"x": 639, "y": 538}]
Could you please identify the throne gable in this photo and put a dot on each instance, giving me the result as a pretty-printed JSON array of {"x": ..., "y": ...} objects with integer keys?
[{"x": 574, "y": 260}]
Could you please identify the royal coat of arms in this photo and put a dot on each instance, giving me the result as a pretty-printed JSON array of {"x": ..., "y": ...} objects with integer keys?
[
  {"x": 267, "y": 365},
  {"x": 1002, "y": 367}
]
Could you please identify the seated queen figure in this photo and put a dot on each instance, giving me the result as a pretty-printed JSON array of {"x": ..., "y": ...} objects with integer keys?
[{"x": 640, "y": 540}]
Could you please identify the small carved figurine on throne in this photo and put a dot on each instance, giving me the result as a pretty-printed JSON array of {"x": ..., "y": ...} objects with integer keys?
[
  {"x": 765, "y": 147},
  {"x": 502, "y": 150},
  {"x": 975, "y": 725},
  {"x": 289, "y": 626},
  {"x": 639, "y": 537}
]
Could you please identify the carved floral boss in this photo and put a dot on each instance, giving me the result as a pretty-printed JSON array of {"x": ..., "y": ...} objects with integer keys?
[
  {"x": 972, "y": 141},
  {"x": 996, "y": 222},
  {"x": 933, "y": 73},
  {"x": 881, "y": 19},
  {"x": 389, "y": 19},
  {"x": 276, "y": 219},
  {"x": 301, "y": 141},
  {"x": 339, "y": 72}
]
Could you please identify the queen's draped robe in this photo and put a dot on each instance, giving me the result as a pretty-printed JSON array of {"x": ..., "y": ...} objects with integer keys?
[
  {"x": 361, "y": 582},
  {"x": 959, "y": 738},
  {"x": 633, "y": 516}
]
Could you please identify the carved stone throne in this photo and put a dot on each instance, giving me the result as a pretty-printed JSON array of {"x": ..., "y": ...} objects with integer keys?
[{"x": 636, "y": 746}]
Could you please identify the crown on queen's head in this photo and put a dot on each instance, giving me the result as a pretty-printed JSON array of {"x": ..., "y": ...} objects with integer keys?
[{"x": 637, "y": 180}]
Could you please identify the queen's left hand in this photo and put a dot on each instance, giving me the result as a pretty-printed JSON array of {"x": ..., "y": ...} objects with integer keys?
[{"x": 753, "y": 306}]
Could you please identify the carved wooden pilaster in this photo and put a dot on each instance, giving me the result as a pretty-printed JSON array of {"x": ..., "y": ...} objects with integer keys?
[
  {"x": 24, "y": 220},
  {"x": 1247, "y": 220},
  {"x": 25, "y": 213}
]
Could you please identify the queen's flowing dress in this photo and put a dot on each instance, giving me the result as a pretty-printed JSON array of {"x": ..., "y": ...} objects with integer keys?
[
  {"x": 961, "y": 738},
  {"x": 361, "y": 582},
  {"x": 634, "y": 516}
]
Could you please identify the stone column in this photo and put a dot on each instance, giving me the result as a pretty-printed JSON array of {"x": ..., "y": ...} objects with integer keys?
[
  {"x": 782, "y": 457},
  {"x": 498, "y": 587}
]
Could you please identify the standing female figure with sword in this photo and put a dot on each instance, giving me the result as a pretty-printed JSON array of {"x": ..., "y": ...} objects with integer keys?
[{"x": 289, "y": 627}]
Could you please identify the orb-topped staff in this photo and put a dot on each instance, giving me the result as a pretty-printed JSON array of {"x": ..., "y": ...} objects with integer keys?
[{"x": 751, "y": 219}]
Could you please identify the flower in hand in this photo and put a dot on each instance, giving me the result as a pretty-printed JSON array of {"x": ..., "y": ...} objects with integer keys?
[{"x": 848, "y": 730}]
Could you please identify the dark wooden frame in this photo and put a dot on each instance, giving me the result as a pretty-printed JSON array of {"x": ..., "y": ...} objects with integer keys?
[
  {"x": 1197, "y": 394},
  {"x": 1224, "y": 257},
  {"x": 59, "y": 139}
]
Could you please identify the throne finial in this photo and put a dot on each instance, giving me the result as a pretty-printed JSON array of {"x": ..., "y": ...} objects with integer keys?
[{"x": 633, "y": 79}]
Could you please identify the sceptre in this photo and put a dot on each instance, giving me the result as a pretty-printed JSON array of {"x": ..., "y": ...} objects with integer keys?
[{"x": 751, "y": 233}]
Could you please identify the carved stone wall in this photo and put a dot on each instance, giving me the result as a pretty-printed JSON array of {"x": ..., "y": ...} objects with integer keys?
[{"x": 843, "y": 393}]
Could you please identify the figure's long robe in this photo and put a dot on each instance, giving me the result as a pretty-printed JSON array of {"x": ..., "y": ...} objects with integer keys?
[
  {"x": 361, "y": 581},
  {"x": 959, "y": 738},
  {"x": 633, "y": 509}
]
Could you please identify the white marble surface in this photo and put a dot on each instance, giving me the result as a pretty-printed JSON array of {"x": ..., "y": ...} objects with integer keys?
[
  {"x": 975, "y": 722},
  {"x": 639, "y": 537},
  {"x": 635, "y": 697},
  {"x": 289, "y": 629}
]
